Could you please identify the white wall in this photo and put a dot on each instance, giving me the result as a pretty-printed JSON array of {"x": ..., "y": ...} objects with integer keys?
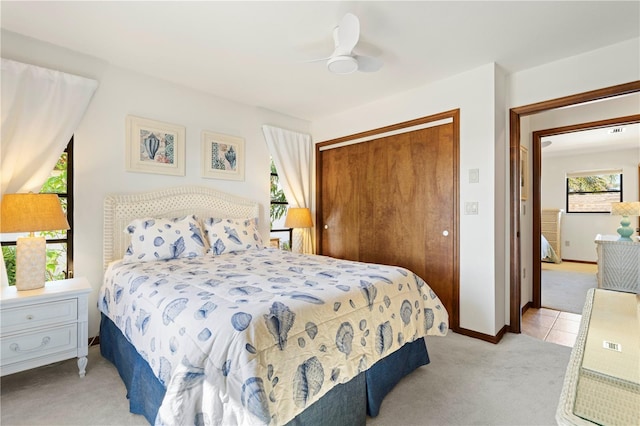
[
  {"x": 580, "y": 229},
  {"x": 100, "y": 142},
  {"x": 482, "y": 280},
  {"x": 609, "y": 66}
]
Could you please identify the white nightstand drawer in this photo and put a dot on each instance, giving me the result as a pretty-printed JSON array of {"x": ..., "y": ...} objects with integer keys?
[
  {"x": 44, "y": 325},
  {"x": 38, "y": 343},
  {"x": 37, "y": 315}
]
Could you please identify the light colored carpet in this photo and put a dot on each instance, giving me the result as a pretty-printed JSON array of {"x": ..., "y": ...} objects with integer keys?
[
  {"x": 565, "y": 290},
  {"x": 469, "y": 382}
]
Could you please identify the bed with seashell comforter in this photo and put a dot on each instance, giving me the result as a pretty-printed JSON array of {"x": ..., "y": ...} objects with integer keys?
[{"x": 230, "y": 332}]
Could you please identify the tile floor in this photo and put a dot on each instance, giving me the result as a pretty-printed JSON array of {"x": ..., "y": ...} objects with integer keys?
[{"x": 551, "y": 326}]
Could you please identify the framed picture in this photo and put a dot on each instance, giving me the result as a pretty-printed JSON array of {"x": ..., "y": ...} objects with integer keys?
[
  {"x": 154, "y": 147},
  {"x": 222, "y": 156},
  {"x": 524, "y": 173}
]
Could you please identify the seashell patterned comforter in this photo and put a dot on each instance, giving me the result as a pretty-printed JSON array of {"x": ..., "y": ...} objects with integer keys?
[{"x": 255, "y": 337}]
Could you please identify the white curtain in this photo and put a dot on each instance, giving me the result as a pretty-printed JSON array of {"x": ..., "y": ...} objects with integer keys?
[
  {"x": 292, "y": 155},
  {"x": 41, "y": 109}
]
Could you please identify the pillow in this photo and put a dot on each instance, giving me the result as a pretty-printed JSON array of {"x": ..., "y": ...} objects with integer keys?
[
  {"x": 227, "y": 235},
  {"x": 160, "y": 239}
]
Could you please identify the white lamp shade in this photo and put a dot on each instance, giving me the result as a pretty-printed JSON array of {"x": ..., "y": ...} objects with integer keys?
[
  {"x": 32, "y": 213},
  {"x": 298, "y": 217},
  {"x": 626, "y": 208}
]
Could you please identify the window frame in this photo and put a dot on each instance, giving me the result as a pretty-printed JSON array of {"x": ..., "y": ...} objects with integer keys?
[
  {"x": 593, "y": 173},
  {"x": 285, "y": 203}
]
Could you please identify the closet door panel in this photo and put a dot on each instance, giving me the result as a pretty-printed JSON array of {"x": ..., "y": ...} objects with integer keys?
[
  {"x": 440, "y": 205},
  {"x": 340, "y": 209},
  {"x": 391, "y": 200}
]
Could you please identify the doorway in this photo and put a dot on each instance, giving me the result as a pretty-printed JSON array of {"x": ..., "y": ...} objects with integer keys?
[
  {"x": 515, "y": 114},
  {"x": 537, "y": 147}
]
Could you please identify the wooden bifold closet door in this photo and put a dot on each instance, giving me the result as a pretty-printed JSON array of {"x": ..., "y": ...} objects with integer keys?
[{"x": 393, "y": 200}]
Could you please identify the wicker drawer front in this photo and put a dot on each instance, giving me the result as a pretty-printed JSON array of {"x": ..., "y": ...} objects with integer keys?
[
  {"x": 38, "y": 315},
  {"x": 22, "y": 347}
]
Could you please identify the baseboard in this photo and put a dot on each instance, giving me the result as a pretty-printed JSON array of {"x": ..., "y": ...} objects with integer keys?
[
  {"x": 588, "y": 262},
  {"x": 528, "y": 305},
  {"x": 486, "y": 337}
]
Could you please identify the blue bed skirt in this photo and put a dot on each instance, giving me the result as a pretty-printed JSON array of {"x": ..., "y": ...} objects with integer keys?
[{"x": 346, "y": 404}]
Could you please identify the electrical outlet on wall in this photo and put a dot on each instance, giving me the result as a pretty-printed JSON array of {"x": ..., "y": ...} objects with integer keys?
[{"x": 567, "y": 244}]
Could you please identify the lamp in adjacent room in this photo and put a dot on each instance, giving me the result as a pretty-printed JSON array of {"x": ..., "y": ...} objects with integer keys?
[
  {"x": 298, "y": 217},
  {"x": 625, "y": 209},
  {"x": 31, "y": 213}
]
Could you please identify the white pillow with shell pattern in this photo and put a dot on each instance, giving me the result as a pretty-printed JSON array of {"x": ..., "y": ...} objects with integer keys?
[
  {"x": 162, "y": 239},
  {"x": 227, "y": 235}
]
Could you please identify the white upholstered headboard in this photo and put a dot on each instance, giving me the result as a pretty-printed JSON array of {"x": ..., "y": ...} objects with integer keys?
[{"x": 121, "y": 209}]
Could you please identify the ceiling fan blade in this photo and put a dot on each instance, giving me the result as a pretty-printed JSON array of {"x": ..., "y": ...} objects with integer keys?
[
  {"x": 368, "y": 64},
  {"x": 318, "y": 60},
  {"x": 347, "y": 34}
]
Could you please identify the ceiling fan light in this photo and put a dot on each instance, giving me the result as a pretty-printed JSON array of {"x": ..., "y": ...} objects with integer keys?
[{"x": 342, "y": 64}]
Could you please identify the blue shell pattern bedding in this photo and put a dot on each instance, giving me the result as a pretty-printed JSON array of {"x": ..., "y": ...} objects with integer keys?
[{"x": 254, "y": 337}]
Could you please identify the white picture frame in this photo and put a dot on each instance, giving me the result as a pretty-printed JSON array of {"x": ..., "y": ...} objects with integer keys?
[
  {"x": 222, "y": 156},
  {"x": 154, "y": 147}
]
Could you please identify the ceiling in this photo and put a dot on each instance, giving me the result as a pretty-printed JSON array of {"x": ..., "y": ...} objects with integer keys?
[
  {"x": 596, "y": 140},
  {"x": 257, "y": 53}
]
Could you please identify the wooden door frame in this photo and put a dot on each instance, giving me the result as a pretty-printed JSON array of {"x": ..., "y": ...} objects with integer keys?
[
  {"x": 536, "y": 147},
  {"x": 515, "y": 309},
  {"x": 454, "y": 115}
]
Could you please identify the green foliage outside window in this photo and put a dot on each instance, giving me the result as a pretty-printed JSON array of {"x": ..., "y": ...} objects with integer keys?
[
  {"x": 277, "y": 195},
  {"x": 9, "y": 254},
  {"x": 594, "y": 183}
]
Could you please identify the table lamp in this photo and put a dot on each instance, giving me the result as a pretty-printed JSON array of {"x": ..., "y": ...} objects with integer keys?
[
  {"x": 625, "y": 209},
  {"x": 298, "y": 217},
  {"x": 31, "y": 213}
]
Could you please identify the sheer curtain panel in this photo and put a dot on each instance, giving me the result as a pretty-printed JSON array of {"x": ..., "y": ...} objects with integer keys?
[
  {"x": 41, "y": 109},
  {"x": 291, "y": 153}
]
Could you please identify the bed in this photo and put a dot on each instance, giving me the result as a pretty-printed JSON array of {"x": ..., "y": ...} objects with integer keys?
[
  {"x": 207, "y": 326},
  {"x": 547, "y": 253}
]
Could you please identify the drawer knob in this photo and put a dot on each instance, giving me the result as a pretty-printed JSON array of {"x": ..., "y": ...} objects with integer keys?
[{"x": 16, "y": 348}]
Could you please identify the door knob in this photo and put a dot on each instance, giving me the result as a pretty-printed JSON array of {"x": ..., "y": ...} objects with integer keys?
[
  {"x": 326, "y": 227},
  {"x": 445, "y": 233}
]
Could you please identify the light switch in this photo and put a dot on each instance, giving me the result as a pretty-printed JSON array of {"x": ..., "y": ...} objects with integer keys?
[
  {"x": 471, "y": 207},
  {"x": 474, "y": 175}
]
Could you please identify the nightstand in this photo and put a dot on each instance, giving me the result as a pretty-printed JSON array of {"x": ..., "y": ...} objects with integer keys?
[{"x": 45, "y": 325}]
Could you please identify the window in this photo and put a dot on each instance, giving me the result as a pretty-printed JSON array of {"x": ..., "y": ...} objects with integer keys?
[
  {"x": 280, "y": 236},
  {"x": 59, "y": 257},
  {"x": 593, "y": 192}
]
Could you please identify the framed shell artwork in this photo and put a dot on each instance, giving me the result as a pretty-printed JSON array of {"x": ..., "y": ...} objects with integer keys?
[
  {"x": 154, "y": 147},
  {"x": 222, "y": 156}
]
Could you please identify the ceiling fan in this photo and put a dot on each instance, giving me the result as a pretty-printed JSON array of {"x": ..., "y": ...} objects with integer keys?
[{"x": 343, "y": 60}]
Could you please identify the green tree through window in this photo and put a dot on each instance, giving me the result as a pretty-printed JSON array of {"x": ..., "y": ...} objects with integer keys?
[{"x": 278, "y": 211}]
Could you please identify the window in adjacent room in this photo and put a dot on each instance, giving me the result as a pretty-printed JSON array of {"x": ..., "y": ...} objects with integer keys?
[
  {"x": 59, "y": 257},
  {"x": 593, "y": 191},
  {"x": 280, "y": 236}
]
